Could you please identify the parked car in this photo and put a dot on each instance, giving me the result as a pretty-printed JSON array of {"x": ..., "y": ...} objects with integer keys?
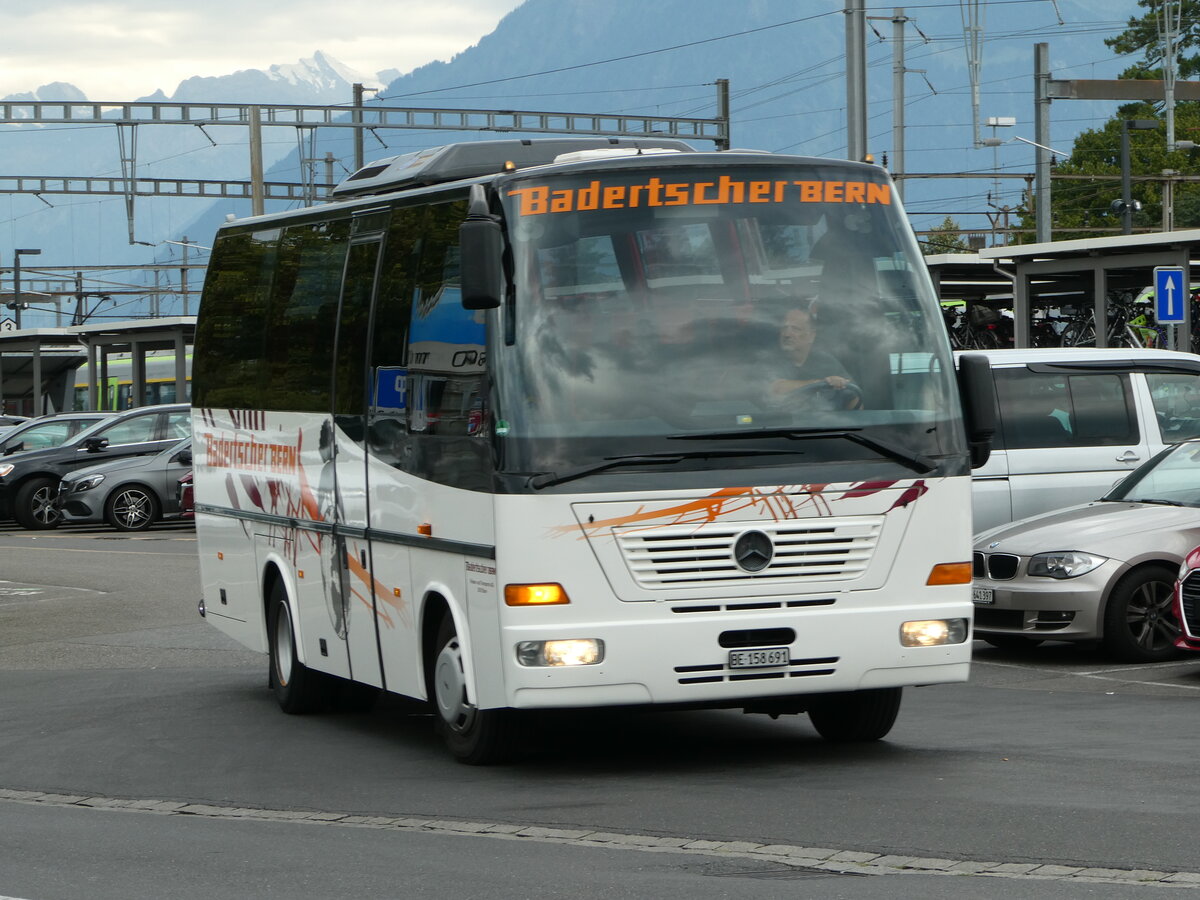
[
  {"x": 187, "y": 496},
  {"x": 130, "y": 494},
  {"x": 1187, "y": 602},
  {"x": 8, "y": 423},
  {"x": 29, "y": 480},
  {"x": 48, "y": 431},
  {"x": 1102, "y": 571},
  {"x": 1072, "y": 421}
]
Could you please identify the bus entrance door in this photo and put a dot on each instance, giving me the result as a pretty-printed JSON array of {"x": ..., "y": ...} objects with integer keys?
[{"x": 354, "y": 577}]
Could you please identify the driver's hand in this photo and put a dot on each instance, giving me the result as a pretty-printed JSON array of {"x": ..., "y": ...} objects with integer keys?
[{"x": 837, "y": 381}]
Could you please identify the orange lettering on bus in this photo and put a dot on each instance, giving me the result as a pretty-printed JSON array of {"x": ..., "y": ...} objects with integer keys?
[
  {"x": 614, "y": 197},
  {"x": 856, "y": 192},
  {"x": 533, "y": 199},
  {"x": 833, "y": 191},
  {"x": 760, "y": 192},
  {"x": 810, "y": 191},
  {"x": 879, "y": 193},
  {"x": 589, "y": 197},
  {"x": 562, "y": 201},
  {"x": 677, "y": 194}
]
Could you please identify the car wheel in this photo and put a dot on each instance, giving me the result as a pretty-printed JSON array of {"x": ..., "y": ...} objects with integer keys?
[
  {"x": 1139, "y": 625},
  {"x": 1014, "y": 642},
  {"x": 298, "y": 689},
  {"x": 855, "y": 716},
  {"x": 34, "y": 507},
  {"x": 472, "y": 735},
  {"x": 131, "y": 508}
]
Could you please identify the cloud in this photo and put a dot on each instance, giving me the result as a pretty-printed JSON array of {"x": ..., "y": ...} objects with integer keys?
[{"x": 122, "y": 49}]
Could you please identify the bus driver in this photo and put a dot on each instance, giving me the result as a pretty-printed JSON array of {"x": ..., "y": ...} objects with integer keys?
[{"x": 810, "y": 372}]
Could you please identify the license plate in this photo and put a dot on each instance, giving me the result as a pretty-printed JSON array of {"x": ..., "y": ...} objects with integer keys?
[
  {"x": 754, "y": 659},
  {"x": 983, "y": 596}
]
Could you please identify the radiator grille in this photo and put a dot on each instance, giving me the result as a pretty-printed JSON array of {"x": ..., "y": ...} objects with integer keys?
[
  {"x": 1189, "y": 596},
  {"x": 997, "y": 566},
  {"x": 829, "y": 549}
]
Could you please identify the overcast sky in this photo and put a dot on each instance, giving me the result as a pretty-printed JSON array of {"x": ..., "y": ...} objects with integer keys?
[{"x": 123, "y": 49}]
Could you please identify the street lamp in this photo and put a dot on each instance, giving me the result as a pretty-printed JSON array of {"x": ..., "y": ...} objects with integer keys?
[
  {"x": 1126, "y": 206},
  {"x": 16, "y": 305}
]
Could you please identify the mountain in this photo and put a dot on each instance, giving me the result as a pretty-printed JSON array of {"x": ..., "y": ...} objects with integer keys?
[
  {"x": 320, "y": 80},
  {"x": 784, "y": 62}
]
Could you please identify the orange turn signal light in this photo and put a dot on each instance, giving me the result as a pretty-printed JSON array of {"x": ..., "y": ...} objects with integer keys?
[
  {"x": 534, "y": 594},
  {"x": 950, "y": 573}
]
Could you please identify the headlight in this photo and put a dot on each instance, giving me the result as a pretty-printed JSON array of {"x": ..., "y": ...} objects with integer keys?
[
  {"x": 86, "y": 484},
  {"x": 6, "y": 469},
  {"x": 1063, "y": 564},
  {"x": 560, "y": 653}
]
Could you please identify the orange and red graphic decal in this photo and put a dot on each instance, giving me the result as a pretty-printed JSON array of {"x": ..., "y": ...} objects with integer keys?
[{"x": 785, "y": 502}]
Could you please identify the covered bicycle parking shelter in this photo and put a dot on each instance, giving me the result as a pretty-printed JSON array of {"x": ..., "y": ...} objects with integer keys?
[{"x": 1078, "y": 274}]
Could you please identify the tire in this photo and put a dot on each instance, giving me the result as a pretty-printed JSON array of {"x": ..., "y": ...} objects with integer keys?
[
  {"x": 1079, "y": 334},
  {"x": 1139, "y": 625},
  {"x": 132, "y": 508},
  {"x": 33, "y": 506},
  {"x": 855, "y": 716},
  {"x": 473, "y": 736},
  {"x": 298, "y": 689},
  {"x": 1014, "y": 642}
]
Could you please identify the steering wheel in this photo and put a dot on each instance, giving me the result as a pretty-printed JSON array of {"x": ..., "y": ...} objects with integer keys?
[{"x": 848, "y": 397}]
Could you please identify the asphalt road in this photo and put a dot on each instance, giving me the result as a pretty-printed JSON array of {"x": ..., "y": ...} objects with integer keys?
[{"x": 141, "y": 755}]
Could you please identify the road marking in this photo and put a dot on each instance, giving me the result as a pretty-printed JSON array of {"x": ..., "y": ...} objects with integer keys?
[
  {"x": 1098, "y": 674},
  {"x": 107, "y": 552},
  {"x": 812, "y": 859}
]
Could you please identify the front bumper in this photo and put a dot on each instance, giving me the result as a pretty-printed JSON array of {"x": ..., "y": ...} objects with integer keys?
[
  {"x": 81, "y": 506},
  {"x": 1068, "y": 609}
]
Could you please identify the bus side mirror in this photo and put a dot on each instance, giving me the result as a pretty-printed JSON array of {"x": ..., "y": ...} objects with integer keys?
[
  {"x": 481, "y": 255},
  {"x": 977, "y": 387}
]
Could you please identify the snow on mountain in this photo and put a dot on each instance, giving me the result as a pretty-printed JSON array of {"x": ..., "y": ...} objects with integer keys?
[{"x": 319, "y": 79}]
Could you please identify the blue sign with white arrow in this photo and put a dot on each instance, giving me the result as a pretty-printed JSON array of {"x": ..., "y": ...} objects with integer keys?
[{"x": 1169, "y": 296}]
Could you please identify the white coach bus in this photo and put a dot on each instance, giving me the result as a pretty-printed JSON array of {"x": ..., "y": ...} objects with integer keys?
[{"x": 520, "y": 425}]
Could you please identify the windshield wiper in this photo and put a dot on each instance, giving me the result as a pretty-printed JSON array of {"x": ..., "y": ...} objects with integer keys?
[
  {"x": 546, "y": 479},
  {"x": 915, "y": 461},
  {"x": 1155, "y": 501}
]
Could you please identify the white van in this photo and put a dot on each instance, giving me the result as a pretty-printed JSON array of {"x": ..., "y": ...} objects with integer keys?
[{"x": 1072, "y": 421}]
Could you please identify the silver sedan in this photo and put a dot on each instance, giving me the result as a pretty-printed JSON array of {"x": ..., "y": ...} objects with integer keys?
[
  {"x": 131, "y": 493},
  {"x": 1103, "y": 571}
]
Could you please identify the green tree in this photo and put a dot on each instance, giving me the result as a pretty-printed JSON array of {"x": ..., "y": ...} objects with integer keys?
[
  {"x": 944, "y": 238},
  {"x": 1083, "y": 208},
  {"x": 1141, "y": 35}
]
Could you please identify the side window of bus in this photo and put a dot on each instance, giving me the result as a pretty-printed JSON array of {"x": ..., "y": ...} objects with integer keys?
[
  {"x": 303, "y": 316},
  {"x": 429, "y": 408},
  {"x": 230, "y": 370},
  {"x": 387, "y": 437}
]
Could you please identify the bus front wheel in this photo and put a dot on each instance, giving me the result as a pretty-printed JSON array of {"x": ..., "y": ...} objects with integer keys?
[
  {"x": 298, "y": 689},
  {"x": 855, "y": 716},
  {"x": 472, "y": 735}
]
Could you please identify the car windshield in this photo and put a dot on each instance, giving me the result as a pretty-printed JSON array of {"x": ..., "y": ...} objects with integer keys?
[
  {"x": 693, "y": 312},
  {"x": 1173, "y": 479}
]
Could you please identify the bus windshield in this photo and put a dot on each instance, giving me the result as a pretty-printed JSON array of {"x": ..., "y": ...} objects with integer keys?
[{"x": 686, "y": 309}]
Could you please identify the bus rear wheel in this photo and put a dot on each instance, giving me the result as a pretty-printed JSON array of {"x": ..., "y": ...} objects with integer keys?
[
  {"x": 298, "y": 689},
  {"x": 473, "y": 736},
  {"x": 855, "y": 716}
]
